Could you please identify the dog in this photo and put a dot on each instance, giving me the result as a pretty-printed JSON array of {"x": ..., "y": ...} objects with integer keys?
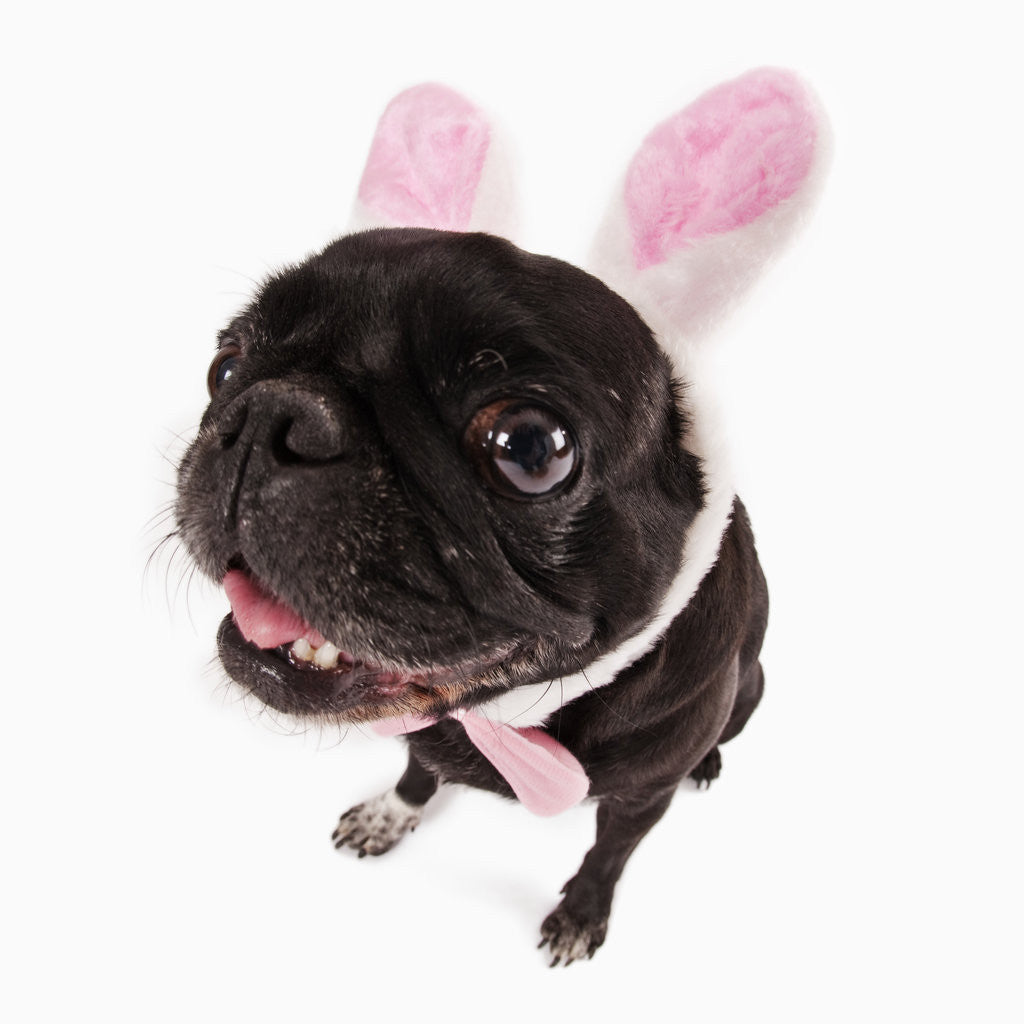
[{"x": 476, "y": 496}]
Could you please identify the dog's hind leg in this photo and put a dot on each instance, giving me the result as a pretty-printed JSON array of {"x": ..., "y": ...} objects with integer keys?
[
  {"x": 375, "y": 826},
  {"x": 751, "y": 687},
  {"x": 709, "y": 768},
  {"x": 579, "y": 923}
]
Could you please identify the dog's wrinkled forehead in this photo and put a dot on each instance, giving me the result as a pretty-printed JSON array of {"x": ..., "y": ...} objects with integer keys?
[{"x": 454, "y": 320}]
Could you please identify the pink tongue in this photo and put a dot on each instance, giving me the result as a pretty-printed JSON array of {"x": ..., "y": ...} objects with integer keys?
[{"x": 262, "y": 619}]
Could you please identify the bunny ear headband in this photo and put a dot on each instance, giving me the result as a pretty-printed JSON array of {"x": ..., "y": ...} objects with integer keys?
[{"x": 711, "y": 194}]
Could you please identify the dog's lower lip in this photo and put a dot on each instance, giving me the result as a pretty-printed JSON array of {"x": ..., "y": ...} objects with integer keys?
[
  {"x": 349, "y": 690},
  {"x": 360, "y": 691}
]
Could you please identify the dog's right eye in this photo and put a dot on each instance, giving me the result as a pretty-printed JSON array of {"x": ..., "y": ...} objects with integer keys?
[
  {"x": 223, "y": 365},
  {"x": 523, "y": 450}
]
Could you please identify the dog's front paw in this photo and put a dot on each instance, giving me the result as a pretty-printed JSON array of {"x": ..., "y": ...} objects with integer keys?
[
  {"x": 375, "y": 826},
  {"x": 571, "y": 935}
]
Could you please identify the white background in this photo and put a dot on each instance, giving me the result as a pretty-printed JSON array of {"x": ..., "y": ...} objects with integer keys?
[{"x": 165, "y": 847}]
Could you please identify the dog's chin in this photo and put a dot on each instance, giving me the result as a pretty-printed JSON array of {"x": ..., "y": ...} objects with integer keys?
[{"x": 353, "y": 690}]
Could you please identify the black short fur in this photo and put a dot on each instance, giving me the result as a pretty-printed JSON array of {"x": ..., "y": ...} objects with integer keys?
[{"x": 333, "y": 466}]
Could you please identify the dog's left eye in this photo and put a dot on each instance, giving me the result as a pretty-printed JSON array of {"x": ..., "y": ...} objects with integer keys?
[
  {"x": 223, "y": 365},
  {"x": 523, "y": 450}
]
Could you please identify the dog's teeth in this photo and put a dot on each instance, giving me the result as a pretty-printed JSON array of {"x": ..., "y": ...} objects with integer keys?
[
  {"x": 302, "y": 649},
  {"x": 326, "y": 656}
]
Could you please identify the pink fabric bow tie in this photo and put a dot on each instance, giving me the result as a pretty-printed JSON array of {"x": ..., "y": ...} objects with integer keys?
[{"x": 545, "y": 777}]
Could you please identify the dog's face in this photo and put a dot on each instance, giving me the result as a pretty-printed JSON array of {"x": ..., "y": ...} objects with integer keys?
[{"x": 459, "y": 463}]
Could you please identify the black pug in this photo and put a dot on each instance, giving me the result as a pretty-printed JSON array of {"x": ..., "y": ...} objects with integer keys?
[{"x": 457, "y": 490}]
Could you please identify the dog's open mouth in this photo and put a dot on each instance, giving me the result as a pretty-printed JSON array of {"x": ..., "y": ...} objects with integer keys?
[
  {"x": 267, "y": 647},
  {"x": 270, "y": 624}
]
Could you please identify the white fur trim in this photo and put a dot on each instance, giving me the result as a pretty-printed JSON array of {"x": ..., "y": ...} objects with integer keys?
[{"x": 535, "y": 703}]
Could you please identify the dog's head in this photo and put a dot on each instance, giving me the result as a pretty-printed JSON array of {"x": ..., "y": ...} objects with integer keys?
[
  {"x": 435, "y": 467},
  {"x": 421, "y": 444}
]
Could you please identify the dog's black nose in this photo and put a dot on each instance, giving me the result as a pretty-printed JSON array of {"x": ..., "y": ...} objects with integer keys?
[{"x": 284, "y": 420}]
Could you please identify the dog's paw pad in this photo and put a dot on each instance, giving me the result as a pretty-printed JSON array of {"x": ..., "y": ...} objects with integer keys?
[
  {"x": 375, "y": 826},
  {"x": 570, "y": 938}
]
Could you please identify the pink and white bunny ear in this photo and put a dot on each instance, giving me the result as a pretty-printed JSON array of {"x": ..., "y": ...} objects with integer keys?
[
  {"x": 435, "y": 162},
  {"x": 710, "y": 195}
]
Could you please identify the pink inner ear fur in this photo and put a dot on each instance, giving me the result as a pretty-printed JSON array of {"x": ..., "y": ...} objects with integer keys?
[
  {"x": 426, "y": 159},
  {"x": 735, "y": 153}
]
